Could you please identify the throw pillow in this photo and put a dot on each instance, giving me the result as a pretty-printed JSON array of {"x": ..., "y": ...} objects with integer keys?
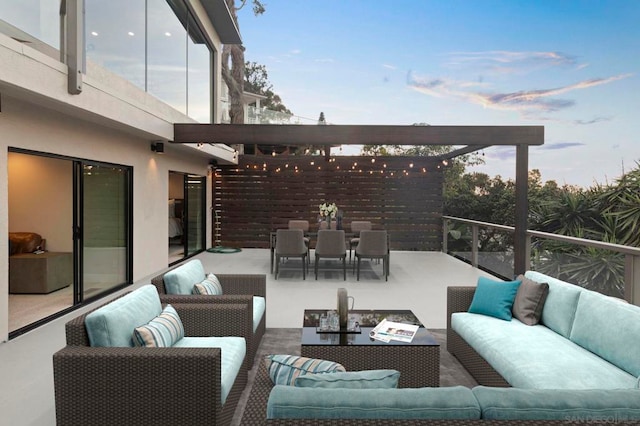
[
  {"x": 368, "y": 379},
  {"x": 285, "y": 369},
  {"x": 161, "y": 332},
  {"x": 529, "y": 301},
  {"x": 494, "y": 298},
  {"x": 211, "y": 285}
]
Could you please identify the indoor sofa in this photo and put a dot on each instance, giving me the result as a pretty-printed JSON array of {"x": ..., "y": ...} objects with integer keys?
[
  {"x": 133, "y": 361},
  {"x": 584, "y": 340},
  {"x": 176, "y": 286}
]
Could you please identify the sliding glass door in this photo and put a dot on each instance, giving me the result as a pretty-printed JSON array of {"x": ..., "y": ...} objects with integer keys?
[
  {"x": 76, "y": 216},
  {"x": 104, "y": 225},
  {"x": 187, "y": 215},
  {"x": 195, "y": 214}
]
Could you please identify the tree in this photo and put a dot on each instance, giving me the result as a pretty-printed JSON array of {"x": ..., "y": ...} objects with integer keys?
[
  {"x": 232, "y": 66},
  {"x": 256, "y": 80}
]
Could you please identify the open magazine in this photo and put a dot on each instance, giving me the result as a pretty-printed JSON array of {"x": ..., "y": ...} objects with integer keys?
[{"x": 387, "y": 331}]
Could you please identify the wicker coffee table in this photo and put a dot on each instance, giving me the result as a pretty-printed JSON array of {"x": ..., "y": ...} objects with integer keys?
[{"x": 418, "y": 361}]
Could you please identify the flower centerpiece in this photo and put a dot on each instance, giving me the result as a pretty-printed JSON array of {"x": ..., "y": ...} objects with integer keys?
[{"x": 328, "y": 211}]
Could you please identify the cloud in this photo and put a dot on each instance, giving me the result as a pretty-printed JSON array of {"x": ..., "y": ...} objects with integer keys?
[
  {"x": 325, "y": 60},
  {"x": 391, "y": 67},
  {"x": 561, "y": 145},
  {"x": 527, "y": 102},
  {"x": 592, "y": 121},
  {"x": 502, "y": 153},
  {"x": 507, "y": 62}
]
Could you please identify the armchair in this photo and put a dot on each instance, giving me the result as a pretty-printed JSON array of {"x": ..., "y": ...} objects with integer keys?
[
  {"x": 190, "y": 383},
  {"x": 247, "y": 289}
]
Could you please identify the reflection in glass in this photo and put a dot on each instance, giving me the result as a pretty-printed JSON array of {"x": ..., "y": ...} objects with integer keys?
[
  {"x": 115, "y": 39},
  {"x": 195, "y": 220},
  {"x": 167, "y": 55},
  {"x": 105, "y": 228},
  {"x": 199, "y": 82},
  {"x": 39, "y": 19}
]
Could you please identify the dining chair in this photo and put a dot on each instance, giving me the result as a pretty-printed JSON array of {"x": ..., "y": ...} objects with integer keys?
[
  {"x": 304, "y": 225},
  {"x": 290, "y": 243},
  {"x": 331, "y": 244},
  {"x": 323, "y": 225},
  {"x": 356, "y": 227},
  {"x": 373, "y": 245}
]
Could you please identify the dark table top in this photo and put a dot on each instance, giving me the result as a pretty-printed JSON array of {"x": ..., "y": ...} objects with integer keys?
[{"x": 367, "y": 319}]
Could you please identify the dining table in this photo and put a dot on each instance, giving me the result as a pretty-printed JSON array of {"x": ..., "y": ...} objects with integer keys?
[{"x": 310, "y": 235}]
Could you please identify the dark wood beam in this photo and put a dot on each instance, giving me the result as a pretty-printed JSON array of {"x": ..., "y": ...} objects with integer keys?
[
  {"x": 300, "y": 135},
  {"x": 460, "y": 151}
]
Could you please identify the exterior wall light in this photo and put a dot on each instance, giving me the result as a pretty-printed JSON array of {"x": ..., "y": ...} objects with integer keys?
[{"x": 157, "y": 147}]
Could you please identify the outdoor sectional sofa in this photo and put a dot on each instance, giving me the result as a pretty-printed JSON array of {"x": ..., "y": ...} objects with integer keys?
[
  {"x": 176, "y": 284},
  {"x": 585, "y": 340},
  {"x": 102, "y": 377},
  {"x": 454, "y": 405},
  {"x": 579, "y": 365}
]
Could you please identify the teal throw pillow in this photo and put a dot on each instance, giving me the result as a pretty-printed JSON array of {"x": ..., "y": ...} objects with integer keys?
[
  {"x": 494, "y": 298},
  {"x": 211, "y": 286},
  {"x": 161, "y": 332},
  {"x": 285, "y": 369},
  {"x": 367, "y": 379}
]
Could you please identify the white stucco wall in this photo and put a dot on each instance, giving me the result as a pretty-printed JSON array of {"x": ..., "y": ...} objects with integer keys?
[{"x": 27, "y": 126}]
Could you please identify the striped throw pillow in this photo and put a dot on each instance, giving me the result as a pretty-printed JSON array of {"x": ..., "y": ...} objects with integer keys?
[
  {"x": 161, "y": 332},
  {"x": 211, "y": 285},
  {"x": 285, "y": 369}
]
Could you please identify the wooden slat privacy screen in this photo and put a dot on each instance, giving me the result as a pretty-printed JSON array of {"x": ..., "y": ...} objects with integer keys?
[{"x": 400, "y": 194}]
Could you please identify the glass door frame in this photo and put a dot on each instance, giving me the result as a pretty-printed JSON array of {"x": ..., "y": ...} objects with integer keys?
[{"x": 77, "y": 199}]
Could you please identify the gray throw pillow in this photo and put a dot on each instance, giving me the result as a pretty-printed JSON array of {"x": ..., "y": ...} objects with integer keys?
[{"x": 529, "y": 301}]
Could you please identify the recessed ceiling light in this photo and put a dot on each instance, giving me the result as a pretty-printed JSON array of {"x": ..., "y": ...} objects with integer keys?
[
  {"x": 168, "y": 34},
  {"x": 131, "y": 33},
  {"x": 93, "y": 33}
]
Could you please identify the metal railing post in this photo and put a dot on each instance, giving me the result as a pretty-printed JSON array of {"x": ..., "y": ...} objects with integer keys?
[
  {"x": 474, "y": 246},
  {"x": 632, "y": 279},
  {"x": 445, "y": 235}
]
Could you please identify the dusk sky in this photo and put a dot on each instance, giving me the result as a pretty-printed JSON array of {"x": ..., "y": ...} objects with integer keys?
[{"x": 571, "y": 66}]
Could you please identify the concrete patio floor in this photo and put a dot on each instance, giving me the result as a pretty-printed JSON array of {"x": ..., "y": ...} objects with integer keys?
[{"x": 417, "y": 281}]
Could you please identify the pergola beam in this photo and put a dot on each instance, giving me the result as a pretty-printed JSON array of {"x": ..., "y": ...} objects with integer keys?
[{"x": 300, "y": 135}]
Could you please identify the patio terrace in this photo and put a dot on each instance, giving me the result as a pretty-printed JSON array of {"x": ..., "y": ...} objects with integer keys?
[{"x": 417, "y": 281}]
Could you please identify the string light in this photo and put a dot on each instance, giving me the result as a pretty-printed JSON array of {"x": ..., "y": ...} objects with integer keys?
[{"x": 383, "y": 168}]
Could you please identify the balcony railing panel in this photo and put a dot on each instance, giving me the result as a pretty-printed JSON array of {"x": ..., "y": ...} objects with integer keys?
[{"x": 611, "y": 269}]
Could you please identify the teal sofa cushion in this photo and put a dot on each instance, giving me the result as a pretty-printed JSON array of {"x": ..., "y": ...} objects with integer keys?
[
  {"x": 289, "y": 402},
  {"x": 234, "y": 350},
  {"x": 182, "y": 279},
  {"x": 561, "y": 303},
  {"x": 494, "y": 298},
  {"x": 610, "y": 328},
  {"x": 161, "y": 332},
  {"x": 112, "y": 325},
  {"x": 575, "y": 406},
  {"x": 285, "y": 369},
  {"x": 259, "y": 308},
  {"x": 537, "y": 357},
  {"x": 367, "y": 379}
]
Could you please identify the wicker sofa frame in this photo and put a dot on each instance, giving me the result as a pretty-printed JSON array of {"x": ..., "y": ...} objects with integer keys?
[
  {"x": 148, "y": 386},
  {"x": 236, "y": 288},
  {"x": 458, "y": 300},
  {"x": 255, "y": 413}
]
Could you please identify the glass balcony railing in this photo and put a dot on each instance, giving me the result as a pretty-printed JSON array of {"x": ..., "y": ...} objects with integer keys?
[{"x": 611, "y": 269}]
